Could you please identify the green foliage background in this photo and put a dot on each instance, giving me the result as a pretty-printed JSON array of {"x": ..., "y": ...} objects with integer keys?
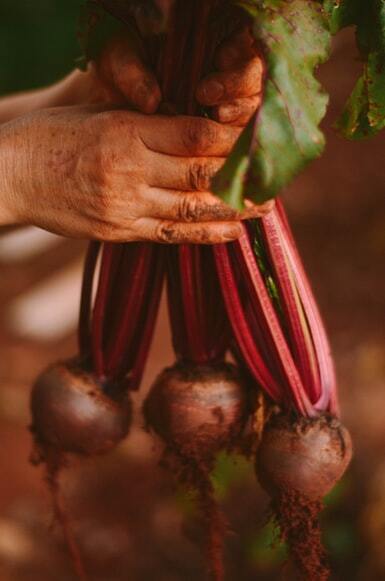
[{"x": 38, "y": 42}]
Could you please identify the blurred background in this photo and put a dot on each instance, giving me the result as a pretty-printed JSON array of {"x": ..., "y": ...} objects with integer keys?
[{"x": 131, "y": 521}]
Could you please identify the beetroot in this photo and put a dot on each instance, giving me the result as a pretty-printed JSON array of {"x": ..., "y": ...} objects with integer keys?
[
  {"x": 298, "y": 462},
  {"x": 72, "y": 414},
  {"x": 197, "y": 410}
]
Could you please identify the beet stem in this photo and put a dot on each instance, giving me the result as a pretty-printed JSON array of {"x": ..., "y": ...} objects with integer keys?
[
  {"x": 321, "y": 342},
  {"x": 147, "y": 330},
  {"x": 301, "y": 343},
  {"x": 132, "y": 310},
  {"x": 84, "y": 331},
  {"x": 241, "y": 329},
  {"x": 99, "y": 310},
  {"x": 262, "y": 302}
]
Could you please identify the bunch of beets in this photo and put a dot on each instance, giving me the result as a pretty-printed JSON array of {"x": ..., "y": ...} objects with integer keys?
[{"x": 249, "y": 299}]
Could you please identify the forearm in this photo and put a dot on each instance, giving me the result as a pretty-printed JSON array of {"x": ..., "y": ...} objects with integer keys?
[
  {"x": 75, "y": 89},
  {"x": 7, "y": 217}
]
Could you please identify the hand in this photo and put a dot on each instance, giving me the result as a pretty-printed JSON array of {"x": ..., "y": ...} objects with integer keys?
[
  {"x": 234, "y": 92},
  {"x": 117, "y": 176},
  {"x": 119, "y": 77}
]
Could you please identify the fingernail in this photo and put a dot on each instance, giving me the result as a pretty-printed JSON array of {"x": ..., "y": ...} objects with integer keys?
[
  {"x": 228, "y": 113},
  {"x": 213, "y": 90},
  {"x": 232, "y": 232}
]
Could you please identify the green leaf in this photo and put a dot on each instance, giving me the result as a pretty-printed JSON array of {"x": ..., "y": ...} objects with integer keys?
[
  {"x": 364, "y": 112},
  {"x": 285, "y": 136}
]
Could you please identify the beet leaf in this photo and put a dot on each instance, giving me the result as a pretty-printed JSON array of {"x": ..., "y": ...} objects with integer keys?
[
  {"x": 364, "y": 113},
  {"x": 285, "y": 135}
]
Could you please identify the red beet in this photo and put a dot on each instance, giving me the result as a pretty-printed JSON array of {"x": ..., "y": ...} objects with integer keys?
[
  {"x": 298, "y": 462},
  {"x": 197, "y": 410},
  {"x": 72, "y": 414}
]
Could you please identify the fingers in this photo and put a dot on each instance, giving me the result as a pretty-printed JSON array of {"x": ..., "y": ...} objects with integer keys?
[
  {"x": 227, "y": 86},
  {"x": 239, "y": 112},
  {"x": 236, "y": 51},
  {"x": 187, "y": 136},
  {"x": 167, "y": 232},
  {"x": 261, "y": 210},
  {"x": 196, "y": 207},
  {"x": 122, "y": 67},
  {"x": 183, "y": 173}
]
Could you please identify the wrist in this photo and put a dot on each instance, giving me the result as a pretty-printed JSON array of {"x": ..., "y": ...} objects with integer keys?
[{"x": 11, "y": 172}]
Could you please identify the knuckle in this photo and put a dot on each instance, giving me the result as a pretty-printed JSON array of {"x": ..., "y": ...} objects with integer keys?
[
  {"x": 167, "y": 232},
  {"x": 191, "y": 208},
  {"x": 199, "y": 176},
  {"x": 200, "y": 135}
]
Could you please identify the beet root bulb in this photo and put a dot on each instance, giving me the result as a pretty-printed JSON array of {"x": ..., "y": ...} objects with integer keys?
[
  {"x": 298, "y": 463},
  {"x": 72, "y": 414},
  {"x": 307, "y": 455},
  {"x": 197, "y": 410}
]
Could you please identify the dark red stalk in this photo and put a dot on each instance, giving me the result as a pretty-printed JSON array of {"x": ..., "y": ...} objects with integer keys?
[
  {"x": 99, "y": 310},
  {"x": 240, "y": 325},
  {"x": 134, "y": 290},
  {"x": 134, "y": 350},
  {"x": 198, "y": 319},
  {"x": 84, "y": 330},
  {"x": 147, "y": 328}
]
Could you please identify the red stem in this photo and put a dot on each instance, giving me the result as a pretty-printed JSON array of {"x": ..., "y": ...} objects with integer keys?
[
  {"x": 147, "y": 329},
  {"x": 99, "y": 310},
  {"x": 319, "y": 336},
  {"x": 84, "y": 330},
  {"x": 198, "y": 318},
  {"x": 265, "y": 308},
  {"x": 131, "y": 314},
  {"x": 240, "y": 325},
  {"x": 192, "y": 308},
  {"x": 298, "y": 331}
]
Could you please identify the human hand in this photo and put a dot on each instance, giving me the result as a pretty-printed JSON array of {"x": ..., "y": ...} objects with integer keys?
[
  {"x": 117, "y": 176},
  {"x": 120, "y": 76},
  {"x": 234, "y": 91}
]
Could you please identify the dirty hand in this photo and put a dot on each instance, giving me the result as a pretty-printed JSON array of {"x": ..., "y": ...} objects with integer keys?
[
  {"x": 117, "y": 176},
  {"x": 234, "y": 91}
]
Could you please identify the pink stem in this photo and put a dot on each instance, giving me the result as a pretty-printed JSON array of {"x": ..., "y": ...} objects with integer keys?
[
  {"x": 301, "y": 343},
  {"x": 263, "y": 303},
  {"x": 317, "y": 329},
  {"x": 84, "y": 331},
  {"x": 240, "y": 325}
]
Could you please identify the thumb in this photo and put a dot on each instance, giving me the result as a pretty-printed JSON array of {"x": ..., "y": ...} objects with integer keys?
[{"x": 122, "y": 67}]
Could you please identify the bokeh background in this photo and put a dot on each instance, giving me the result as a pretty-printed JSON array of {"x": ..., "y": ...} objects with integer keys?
[{"x": 131, "y": 521}]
